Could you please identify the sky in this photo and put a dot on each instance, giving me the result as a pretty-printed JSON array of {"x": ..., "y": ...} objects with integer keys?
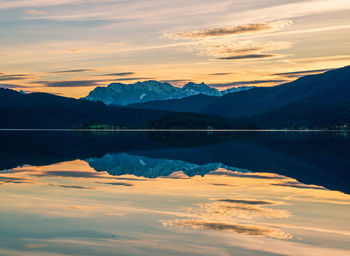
[{"x": 68, "y": 47}]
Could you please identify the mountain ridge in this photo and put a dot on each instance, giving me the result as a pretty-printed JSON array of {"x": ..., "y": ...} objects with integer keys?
[
  {"x": 140, "y": 92},
  {"x": 316, "y": 101}
]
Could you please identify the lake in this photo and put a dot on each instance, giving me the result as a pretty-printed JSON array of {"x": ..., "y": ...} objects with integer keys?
[{"x": 174, "y": 193}]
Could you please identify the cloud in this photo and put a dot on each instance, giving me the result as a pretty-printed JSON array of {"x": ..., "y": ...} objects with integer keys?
[
  {"x": 221, "y": 43},
  {"x": 75, "y": 83},
  {"x": 253, "y": 82},
  {"x": 296, "y": 74},
  {"x": 71, "y": 186},
  {"x": 120, "y": 74},
  {"x": 7, "y": 4},
  {"x": 220, "y": 74},
  {"x": 35, "y": 12},
  {"x": 229, "y": 49},
  {"x": 132, "y": 78},
  {"x": 235, "y": 30},
  {"x": 248, "y": 56},
  {"x": 12, "y": 86},
  {"x": 176, "y": 81},
  {"x": 252, "y": 230},
  {"x": 69, "y": 174},
  {"x": 14, "y": 77},
  {"x": 72, "y": 71},
  {"x": 85, "y": 83}
]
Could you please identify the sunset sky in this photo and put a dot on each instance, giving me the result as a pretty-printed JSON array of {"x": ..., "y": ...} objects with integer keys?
[{"x": 68, "y": 47}]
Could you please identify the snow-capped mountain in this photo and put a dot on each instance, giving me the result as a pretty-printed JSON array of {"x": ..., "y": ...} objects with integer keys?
[
  {"x": 193, "y": 88},
  {"x": 140, "y": 92},
  {"x": 236, "y": 89}
]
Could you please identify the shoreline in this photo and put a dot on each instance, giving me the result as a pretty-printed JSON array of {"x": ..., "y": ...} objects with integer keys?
[{"x": 175, "y": 130}]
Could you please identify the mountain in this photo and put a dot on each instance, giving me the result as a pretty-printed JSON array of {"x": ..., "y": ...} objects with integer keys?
[
  {"x": 43, "y": 110},
  {"x": 188, "y": 104},
  {"x": 321, "y": 100},
  {"x": 194, "y": 89},
  {"x": 125, "y": 94},
  {"x": 330, "y": 87}
]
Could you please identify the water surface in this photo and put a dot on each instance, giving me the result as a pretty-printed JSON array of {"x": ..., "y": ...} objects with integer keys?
[{"x": 101, "y": 193}]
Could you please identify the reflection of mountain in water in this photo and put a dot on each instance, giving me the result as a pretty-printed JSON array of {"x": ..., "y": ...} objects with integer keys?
[
  {"x": 312, "y": 158},
  {"x": 122, "y": 163}
]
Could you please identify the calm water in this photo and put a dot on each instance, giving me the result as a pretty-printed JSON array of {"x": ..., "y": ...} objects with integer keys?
[{"x": 238, "y": 193}]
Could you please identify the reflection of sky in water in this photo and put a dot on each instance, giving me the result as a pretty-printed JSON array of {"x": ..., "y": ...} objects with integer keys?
[{"x": 69, "y": 208}]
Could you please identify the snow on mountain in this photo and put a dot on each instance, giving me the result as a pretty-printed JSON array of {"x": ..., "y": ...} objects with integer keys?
[
  {"x": 202, "y": 88},
  {"x": 140, "y": 92},
  {"x": 236, "y": 89}
]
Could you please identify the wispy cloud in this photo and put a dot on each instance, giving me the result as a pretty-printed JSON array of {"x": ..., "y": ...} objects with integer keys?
[
  {"x": 175, "y": 80},
  {"x": 132, "y": 79},
  {"x": 248, "y": 56},
  {"x": 71, "y": 71},
  {"x": 296, "y": 74},
  {"x": 35, "y": 12},
  {"x": 222, "y": 44},
  {"x": 235, "y": 30},
  {"x": 220, "y": 74},
  {"x": 119, "y": 74},
  {"x": 8, "y": 4},
  {"x": 86, "y": 83},
  {"x": 253, "y": 82},
  {"x": 12, "y": 86},
  {"x": 14, "y": 77},
  {"x": 227, "y": 49},
  {"x": 75, "y": 83}
]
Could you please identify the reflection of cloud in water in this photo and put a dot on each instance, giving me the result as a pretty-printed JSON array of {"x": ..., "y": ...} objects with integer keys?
[
  {"x": 117, "y": 184},
  {"x": 131, "y": 179},
  {"x": 13, "y": 180},
  {"x": 239, "y": 210},
  {"x": 222, "y": 184},
  {"x": 246, "y": 201},
  {"x": 35, "y": 245},
  {"x": 235, "y": 228},
  {"x": 223, "y": 172},
  {"x": 295, "y": 184},
  {"x": 69, "y": 174},
  {"x": 222, "y": 215},
  {"x": 71, "y": 186}
]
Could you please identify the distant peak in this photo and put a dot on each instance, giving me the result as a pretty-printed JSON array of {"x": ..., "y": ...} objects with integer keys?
[{"x": 192, "y": 84}]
